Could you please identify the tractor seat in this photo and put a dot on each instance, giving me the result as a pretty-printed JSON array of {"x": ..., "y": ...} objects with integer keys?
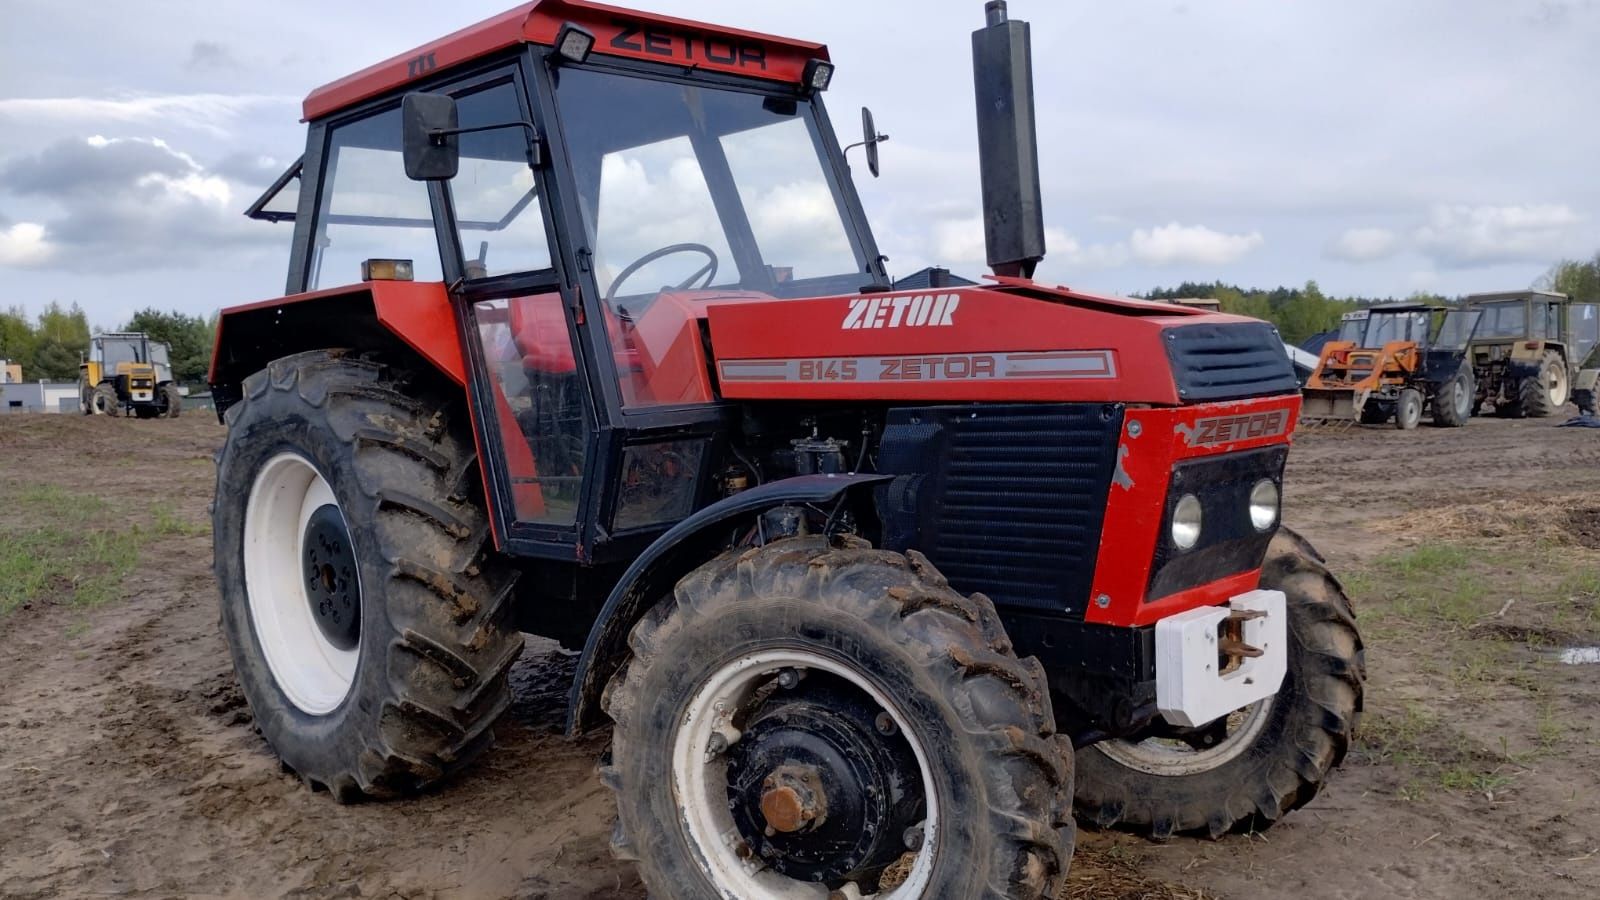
[{"x": 539, "y": 328}]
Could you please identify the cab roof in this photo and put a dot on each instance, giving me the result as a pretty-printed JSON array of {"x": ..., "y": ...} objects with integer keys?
[{"x": 617, "y": 31}]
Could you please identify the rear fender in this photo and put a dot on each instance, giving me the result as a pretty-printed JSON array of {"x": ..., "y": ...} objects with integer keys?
[
  {"x": 684, "y": 547},
  {"x": 368, "y": 315}
]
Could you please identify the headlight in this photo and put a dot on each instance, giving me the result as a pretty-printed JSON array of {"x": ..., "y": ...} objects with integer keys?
[
  {"x": 1264, "y": 504},
  {"x": 1186, "y": 522}
]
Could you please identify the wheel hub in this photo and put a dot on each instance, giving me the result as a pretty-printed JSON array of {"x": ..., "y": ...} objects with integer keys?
[
  {"x": 817, "y": 787},
  {"x": 329, "y": 572}
]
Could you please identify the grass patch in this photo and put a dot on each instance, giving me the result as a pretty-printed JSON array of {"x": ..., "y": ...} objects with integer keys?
[
  {"x": 1430, "y": 755},
  {"x": 72, "y": 558},
  {"x": 167, "y": 522}
]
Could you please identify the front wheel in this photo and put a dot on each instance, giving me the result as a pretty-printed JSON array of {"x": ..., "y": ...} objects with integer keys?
[
  {"x": 1452, "y": 402},
  {"x": 1249, "y": 768},
  {"x": 367, "y": 617},
  {"x": 806, "y": 720},
  {"x": 1408, "y": 409}
]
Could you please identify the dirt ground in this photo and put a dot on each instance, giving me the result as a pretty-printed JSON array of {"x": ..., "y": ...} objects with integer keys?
[{"x": 128, "y": 764}]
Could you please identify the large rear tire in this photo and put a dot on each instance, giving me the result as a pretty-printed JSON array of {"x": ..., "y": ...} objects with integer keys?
[
  {"x": 769, "y": 662},
  {"x": 1542, "y": 395},
  {"x": 1272, "y": 757},
  {"x": 368, "y": 619}
]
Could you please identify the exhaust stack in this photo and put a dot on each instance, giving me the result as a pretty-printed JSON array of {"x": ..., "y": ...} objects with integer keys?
[{"x": 1008, "y": 146}]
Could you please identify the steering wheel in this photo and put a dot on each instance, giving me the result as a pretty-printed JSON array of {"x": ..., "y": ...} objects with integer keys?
[{"x": 709, "y": 270}]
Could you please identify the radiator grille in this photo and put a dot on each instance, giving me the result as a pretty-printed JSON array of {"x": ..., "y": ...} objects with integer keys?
[
  {"x": 1005, "y": 499},
  {"x": 1228, "y": 362}
]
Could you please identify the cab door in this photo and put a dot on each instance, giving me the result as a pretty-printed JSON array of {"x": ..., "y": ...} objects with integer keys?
[{"x": 528, "y": 382}]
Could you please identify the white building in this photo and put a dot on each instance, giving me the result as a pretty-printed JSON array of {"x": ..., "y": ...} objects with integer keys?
[{"x": 39, "y": 396}]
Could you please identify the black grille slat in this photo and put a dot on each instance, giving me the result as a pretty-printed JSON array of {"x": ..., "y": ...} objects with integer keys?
[
  {"x": 1005, "y": 499},
  {"x": 1228, "y": 362}
]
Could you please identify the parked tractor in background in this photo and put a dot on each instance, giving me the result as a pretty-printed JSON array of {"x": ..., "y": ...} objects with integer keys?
[
  {"x": 1390, "y": 363},
  {"x": 1530, "y": 349},
  {"x": 872, "y": 586},
  {"x": 127, "y": 373}
]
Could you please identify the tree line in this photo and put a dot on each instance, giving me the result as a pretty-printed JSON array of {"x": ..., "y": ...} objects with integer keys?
[
  {"x": 1302, "y": 312},
  {"x": 51, "y": 346}
]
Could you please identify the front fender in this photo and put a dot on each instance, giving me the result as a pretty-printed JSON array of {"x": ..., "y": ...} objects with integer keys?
[{"x": 683, "y": 548}]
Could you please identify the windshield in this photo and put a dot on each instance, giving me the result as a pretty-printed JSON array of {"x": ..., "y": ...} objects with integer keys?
[
  {"x": 1385, "y": 327},
  {"x": 692, "y": 187},
  {"x": 1457, "y": 329},
  {"x": 1504, "y": 320},
  {"x": 1353, "y": 327}
]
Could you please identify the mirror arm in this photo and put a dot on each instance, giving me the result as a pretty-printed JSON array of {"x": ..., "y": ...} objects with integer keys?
[
  {"x": 436, "y": 136},
  {"x": 882, "y": 138}
]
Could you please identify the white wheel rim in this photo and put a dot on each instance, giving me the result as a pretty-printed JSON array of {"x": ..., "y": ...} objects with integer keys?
[
  {"x": 700, "y": 783},
  {"x": 1558, "y": 386},
  {"x": 1171, "y": 757},
  {"x": 313, "y": 673}
]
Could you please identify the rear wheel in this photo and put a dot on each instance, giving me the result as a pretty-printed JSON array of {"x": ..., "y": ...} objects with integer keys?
[
  {"x": 806, "y": 720},
  {"x": 1453, "y": 401},
  {"x": 1408, "y": 409},
  {"x": 366, "y": 615},
  {"x": 1251, "y": 767},
  {"x": 1543, "y": 394}
]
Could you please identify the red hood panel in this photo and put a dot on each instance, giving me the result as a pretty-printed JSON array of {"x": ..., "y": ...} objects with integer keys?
[{"x": 949, "y": 344}]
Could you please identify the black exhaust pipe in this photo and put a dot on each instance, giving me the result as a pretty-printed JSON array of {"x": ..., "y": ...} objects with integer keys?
[{"x": 1008, "y": 145}]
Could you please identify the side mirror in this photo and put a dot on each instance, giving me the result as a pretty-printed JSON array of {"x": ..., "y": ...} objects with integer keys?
[
  {"x": 427, "y": 124},
  {"x": 870, "y": 138}
]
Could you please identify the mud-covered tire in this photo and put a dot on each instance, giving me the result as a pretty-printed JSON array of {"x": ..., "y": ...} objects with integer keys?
[
  {"x": 172, "y": 401},
  {"x": 1453, "y": 401},
  {"x": 105, "y": 401},
  {"x": 1543, "y": 394},
  {"x": 435, "y": 637},
  {"x": 1002, "y": 781},
  {"x": 1306, "y": 734}
]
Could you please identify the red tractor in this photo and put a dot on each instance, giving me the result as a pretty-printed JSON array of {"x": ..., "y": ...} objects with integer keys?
[{"x": 585, "y": 335}]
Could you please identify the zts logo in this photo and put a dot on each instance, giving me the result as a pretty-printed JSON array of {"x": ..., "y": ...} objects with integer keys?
[{"x": 893, "y": 312}]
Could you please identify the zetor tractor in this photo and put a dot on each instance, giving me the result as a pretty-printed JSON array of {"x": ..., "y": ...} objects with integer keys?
[
  {"x": 1389, "y": 363},
  {"x": 860, "y": 577},
  {"x": 1529, "y": 351}
]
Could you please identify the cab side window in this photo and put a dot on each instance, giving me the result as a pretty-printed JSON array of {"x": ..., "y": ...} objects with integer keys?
[
  {"x": 369, "y": 209},
  {"x": 496, "y": 197}
]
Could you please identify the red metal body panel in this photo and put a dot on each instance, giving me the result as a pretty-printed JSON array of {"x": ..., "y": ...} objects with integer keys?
[
  {"x": 1152, "y": 441},
  {"x": 418, "y": 313},
  {"x": 851, "y": 337},
  {"x": 617, "y": 31}
]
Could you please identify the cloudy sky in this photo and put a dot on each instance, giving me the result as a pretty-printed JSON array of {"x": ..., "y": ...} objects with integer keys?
[{"x": 1380, "y": 147}]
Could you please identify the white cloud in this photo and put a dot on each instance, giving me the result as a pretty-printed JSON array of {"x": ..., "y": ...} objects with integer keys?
[
  {"x": 1363, "y": 245},
  {"x": 1462, "y": 236},
  {"x": 24, "y": 244},
  {"x": 1173, "y": 244},
  {"x": 958, "y": 243},
  {"x": 206, "y": 112}
]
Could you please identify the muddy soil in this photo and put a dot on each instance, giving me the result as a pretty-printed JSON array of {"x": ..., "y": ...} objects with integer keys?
[{"x": 128, "y": 764}]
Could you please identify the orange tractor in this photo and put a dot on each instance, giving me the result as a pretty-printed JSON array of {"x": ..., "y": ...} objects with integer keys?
[{"x": 1390, "y": 362}]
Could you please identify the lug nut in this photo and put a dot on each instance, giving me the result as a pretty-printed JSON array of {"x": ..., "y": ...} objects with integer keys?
[{"x": 885, "y": 724}]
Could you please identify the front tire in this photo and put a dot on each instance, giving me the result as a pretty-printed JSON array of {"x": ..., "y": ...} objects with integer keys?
[
  {"x": 767, "y": 663},
  {"x": 367, "y": 617},
  {"x": 1453, "y": 401},
  {"x": 1408, "y": 409},
  {"x": 171, "y": 401},
  {"x": 1274, "y": 757},
  {"x": 104, "y": 401}
]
